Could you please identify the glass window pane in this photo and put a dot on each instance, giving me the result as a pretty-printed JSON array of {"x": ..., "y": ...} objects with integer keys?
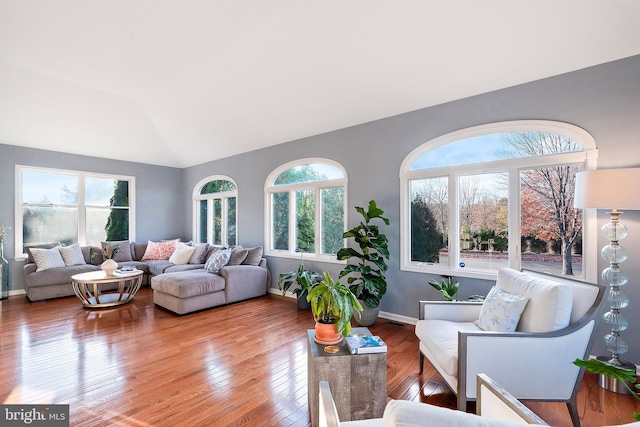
[
  {"x": 495, "y": 147},
  {"x": 308, "y": 173},
  {"x": 106, "y": 192},
  {"x": 484, "y": 209},
  {"x": 332, "y": 220},
  {"x": 106, "y": 224},
  {"x": 49, "y": 188},
  {"x": 281, "y": 221},
  {"x": 231, "y": 221},
  {"x": 47, "y": 224},
  {"x": 305, "y": 220},
  {"x": 429, "y": 220},
  {"x": 217, "y": 222},
  {"x": 118, "y": 224},
  {"x": 551, "y": 228},
  {"x": 202, "y": 225},
  {"x": 217, "y": 186}
]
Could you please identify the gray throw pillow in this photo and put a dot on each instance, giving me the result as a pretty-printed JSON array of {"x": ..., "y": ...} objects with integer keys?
[
  {"x": 72, "y": 255},
  {"x": 238, "y": 255},
  {"x": 199, "y": 256},
  {"x": 28, "y": 248},
  {"x": 47, "y": 258},
  {"x": 254, "y": 256}
]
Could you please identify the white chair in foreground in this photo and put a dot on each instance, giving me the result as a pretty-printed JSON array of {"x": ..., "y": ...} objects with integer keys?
[
  {"x": 495, "y": 408},
  {"x": 535, "y": 361}
]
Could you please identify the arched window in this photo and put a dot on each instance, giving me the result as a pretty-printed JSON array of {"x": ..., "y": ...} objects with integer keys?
[
  {"x": 305, "y": 202},
  {"x": 494, "y": 196},
  {"x": 215, "y": 205}
]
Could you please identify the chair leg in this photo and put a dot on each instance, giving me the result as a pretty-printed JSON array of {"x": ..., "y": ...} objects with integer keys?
[
  {"x": 573, "y": 411},
  {"x": 421, "y": 362}
]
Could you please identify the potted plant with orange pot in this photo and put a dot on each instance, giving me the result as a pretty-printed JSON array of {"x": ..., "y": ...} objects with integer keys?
[{"x": 332, "y": 305}]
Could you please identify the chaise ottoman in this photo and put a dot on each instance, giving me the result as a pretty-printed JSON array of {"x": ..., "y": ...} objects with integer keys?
[{"x": 186, "y": 291}]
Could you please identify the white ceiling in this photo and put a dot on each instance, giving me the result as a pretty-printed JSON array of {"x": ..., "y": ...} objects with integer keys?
[{"x": 183, "y": 82}]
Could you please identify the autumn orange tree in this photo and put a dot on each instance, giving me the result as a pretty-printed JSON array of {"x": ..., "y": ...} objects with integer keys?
[{"x": 547, "y": 193}]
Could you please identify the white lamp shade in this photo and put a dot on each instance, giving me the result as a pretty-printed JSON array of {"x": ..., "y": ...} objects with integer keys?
[{"x": 608, "y": 189}]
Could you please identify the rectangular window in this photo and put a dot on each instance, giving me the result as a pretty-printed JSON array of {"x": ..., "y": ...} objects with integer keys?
[
  {"x": 217, "y": 221},
  {"x": 203, "y": 209},
  {"x": 305, "y": 220},
  {"x": 484, "y": 213},
  {"x": 281, "y": 221},
  {"x": 550, "y": 228},
  {"x": 231, "y": 220},
  {"x": 69, "y": 207},
  {"x": 332, "y": 201},
  {"x": 429, "y": 220}
]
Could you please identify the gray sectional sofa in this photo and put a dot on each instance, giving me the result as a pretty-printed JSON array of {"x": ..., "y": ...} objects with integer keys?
[{"x": 183, "y": 290}]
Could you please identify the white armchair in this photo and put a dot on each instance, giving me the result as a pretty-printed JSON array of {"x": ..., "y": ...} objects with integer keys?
[
  {"x": 532, "y": 363},
  {"x": 496, "y": 408}
]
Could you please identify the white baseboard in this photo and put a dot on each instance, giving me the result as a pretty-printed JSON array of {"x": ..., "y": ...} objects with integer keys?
[{"x": 398, "y": 318}]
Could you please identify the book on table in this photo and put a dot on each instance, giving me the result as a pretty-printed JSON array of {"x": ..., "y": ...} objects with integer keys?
[{"x": 368, "y": 344}]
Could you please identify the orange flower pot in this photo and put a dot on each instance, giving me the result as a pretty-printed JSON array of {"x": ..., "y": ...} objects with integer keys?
[{"x": 327, "y": 333}]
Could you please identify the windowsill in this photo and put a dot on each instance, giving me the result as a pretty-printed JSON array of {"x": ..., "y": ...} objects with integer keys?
[
  {"x": 307, "y": 257},
  {"x": 442, "y": 270}
]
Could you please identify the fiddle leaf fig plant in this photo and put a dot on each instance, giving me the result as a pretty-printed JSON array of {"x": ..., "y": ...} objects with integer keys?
[
  {"x": 626, "y": 376},
  {"x": 333, "y": 302},
  {"x": 367, "y": 282}
]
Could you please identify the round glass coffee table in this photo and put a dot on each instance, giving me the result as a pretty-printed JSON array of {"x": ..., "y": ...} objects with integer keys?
[{"x": 87, "y": 287}]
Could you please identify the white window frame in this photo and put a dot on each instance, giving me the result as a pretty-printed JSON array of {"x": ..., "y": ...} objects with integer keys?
[
  {"x": 19, "y": 244},
  {"x": 270, "y": 189},
  {"x": 513, "y": 167},
  {"x": 224, "y": 197}
]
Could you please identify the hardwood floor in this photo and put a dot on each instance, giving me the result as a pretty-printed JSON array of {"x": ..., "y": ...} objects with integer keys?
[{"x": 242, "y": 364}]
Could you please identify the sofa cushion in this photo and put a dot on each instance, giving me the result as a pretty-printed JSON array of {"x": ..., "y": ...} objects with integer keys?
[
  {"x": 47, "y": 258},
  {"x": 254, "y": 255},
  {"x": 158, "y": 266},
  {"x": 160, "y": 250},
  {"x": 182, "y": 254},
  {"x": 199, "y": 255},
  {"x": 137, "y": 250},
  {"x": 57, "y": 276},
  {"x": 28, "y": 248},
  {"x": 124, "y": 249},
  {"x": 183, "y": 267},
  {"x": 218, "y": 260},
  {"x": 501, "y": 311},
  {"x": 441, "y": 337},
  {"x": 238, "y": 255},
  {"x": 72, "y": 255},
  {"x": 187, "y": 284},
  {"x": 550, "y": 303}
]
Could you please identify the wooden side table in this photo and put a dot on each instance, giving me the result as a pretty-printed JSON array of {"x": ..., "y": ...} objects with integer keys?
[
  {"x": 358, "y": 382},
  {"x": 87, "y": 288}
]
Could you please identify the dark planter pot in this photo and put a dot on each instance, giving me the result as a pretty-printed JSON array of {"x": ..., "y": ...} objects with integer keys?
[
  {"x": 367, "y": 316},
  {"x": 303, "y": 304}
]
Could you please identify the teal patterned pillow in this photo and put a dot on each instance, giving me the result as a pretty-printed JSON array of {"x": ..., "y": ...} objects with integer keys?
[{"x": 501, "y": 311}]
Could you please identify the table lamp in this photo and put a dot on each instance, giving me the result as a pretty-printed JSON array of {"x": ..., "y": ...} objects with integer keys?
[{"x": 612, "y": 189}]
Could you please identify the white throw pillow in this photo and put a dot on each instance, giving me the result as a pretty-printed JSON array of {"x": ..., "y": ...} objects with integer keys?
[
  {"x": 218, "y": 260},
  {"x": 182, "y": 254},
  {"x": 550, "y": 303},
  {"x": 501, "y": 311},
  {"x": 72, "y": 255},
  {"x": 47, "y": 258}
]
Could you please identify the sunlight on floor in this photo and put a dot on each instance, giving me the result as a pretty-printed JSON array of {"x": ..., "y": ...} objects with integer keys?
[{"x": 27, "y": 395}]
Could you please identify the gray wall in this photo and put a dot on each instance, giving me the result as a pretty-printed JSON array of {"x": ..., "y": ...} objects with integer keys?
[
  {"x": 159, "y": 207},
  {"x": 604, "y": 100}
]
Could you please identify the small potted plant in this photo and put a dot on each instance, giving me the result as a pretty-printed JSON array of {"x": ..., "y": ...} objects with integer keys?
[
  {"x": 109, "y": 265},
  {"x": 448, "y": 286},
  {"x": 305, "y": 280},
  {"x": 332, "y": 305}
]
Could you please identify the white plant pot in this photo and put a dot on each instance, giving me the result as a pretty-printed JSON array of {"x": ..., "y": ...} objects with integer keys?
[{"x": 109, "y": 266}]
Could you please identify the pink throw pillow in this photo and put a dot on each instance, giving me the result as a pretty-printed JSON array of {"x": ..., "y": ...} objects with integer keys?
[{"x": 160, "y": 250}]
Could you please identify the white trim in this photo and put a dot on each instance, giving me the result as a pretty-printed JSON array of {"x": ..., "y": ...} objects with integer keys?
[{"x": 513, "y": 167}]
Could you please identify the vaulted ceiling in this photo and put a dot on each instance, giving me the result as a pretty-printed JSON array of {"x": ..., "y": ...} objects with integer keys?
[{"x": 183, "y": 82}]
